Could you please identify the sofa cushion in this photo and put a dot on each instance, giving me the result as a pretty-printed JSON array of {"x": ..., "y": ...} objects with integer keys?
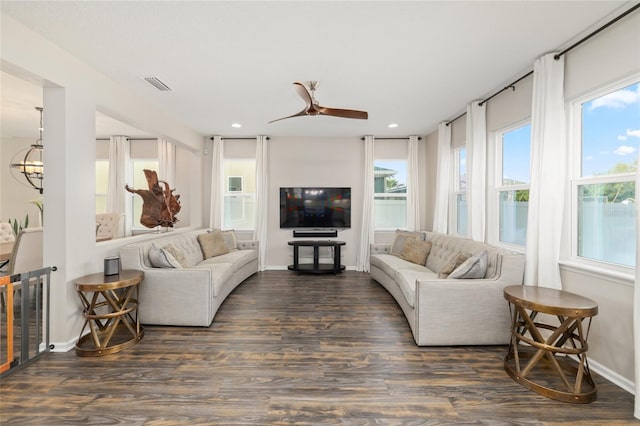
[
  {"x": 160, "y": 258},
  {"x": 416, "y": 251},
  {"x": 238, "y": 258},
  {"x": 474, "y": 267},
  {"x": 406, "y": 280},
  {"x": 401, "y": 238},
  {"x": 212, "y": 244},
  {"x": 389, "y": 263}
]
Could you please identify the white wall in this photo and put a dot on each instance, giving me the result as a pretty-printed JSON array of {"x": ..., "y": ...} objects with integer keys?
[
  {"x": 72, "y": 92},
  {"x": 313, "y": 162}
]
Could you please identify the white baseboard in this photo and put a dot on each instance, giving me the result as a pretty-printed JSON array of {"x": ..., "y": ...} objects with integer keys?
[
  {"x": 63, "y": 346},
  {"x": 612, "y": 376}
]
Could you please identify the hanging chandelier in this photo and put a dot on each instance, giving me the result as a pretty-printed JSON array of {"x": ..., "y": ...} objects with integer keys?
[{"x": 28, "y": 163}]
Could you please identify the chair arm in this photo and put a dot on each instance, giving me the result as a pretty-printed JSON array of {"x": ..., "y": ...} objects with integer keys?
[{"x": 248, "y": 244}]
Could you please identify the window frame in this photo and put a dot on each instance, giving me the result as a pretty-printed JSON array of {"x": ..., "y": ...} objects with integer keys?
[
  {"x": 101, "y": 194},
  {"x": 499, "y": 187},
  {"x": 399, "y": 195},
  {"x": 576, "y": 179},
  {"x": 227, "y": 195}
]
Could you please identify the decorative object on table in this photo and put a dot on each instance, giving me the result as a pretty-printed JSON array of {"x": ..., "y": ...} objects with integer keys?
[
  {"x": 112, "y": 265},
  {"x": 160, "y": 206},
  {"x": 28, "y": 163},
  {"x": 39, "y": 203},
  {"x": 17, "y": 226}
]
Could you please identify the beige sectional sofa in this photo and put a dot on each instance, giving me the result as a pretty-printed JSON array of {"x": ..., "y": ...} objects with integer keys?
[
  {"x": 187, "y": 291},
  {"x": 450, "y": 311}
]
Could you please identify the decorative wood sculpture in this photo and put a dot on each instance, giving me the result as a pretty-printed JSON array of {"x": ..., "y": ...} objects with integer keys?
[{"x": 159, "y": 206}]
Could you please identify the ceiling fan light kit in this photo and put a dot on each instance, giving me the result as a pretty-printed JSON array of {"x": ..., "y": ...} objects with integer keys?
[{"x": 313, "y": 108}]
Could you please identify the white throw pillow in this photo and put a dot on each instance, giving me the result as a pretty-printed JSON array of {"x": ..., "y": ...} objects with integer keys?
[{"x": 474, "y": 267}]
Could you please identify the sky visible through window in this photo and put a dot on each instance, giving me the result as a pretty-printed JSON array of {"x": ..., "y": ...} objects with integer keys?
[
  {"x": 516, "y": 149},
  {"x": 611, "y": 131}
]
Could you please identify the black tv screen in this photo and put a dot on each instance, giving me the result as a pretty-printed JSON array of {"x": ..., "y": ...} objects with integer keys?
[{"x": 315, "y": 207}]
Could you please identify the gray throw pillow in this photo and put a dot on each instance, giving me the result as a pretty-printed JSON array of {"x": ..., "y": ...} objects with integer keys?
[
  {"x": 474, "y": 267},
  {"x": 159, "y": 258}
]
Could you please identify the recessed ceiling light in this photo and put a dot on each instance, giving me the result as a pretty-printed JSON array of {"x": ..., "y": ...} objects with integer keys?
[
  {"x": 393, "y": 125},
  {"x": 236, "y": 125}
]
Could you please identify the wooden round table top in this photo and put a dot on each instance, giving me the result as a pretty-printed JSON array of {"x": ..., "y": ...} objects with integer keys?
[
  {"x": 551, "y": 301},
  {"x": 99, "y": 281}
]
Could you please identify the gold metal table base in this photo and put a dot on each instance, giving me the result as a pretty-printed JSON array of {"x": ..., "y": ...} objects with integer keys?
[
  {"x": 110, "y": 308},
  {"x": 549, "y": 359}
]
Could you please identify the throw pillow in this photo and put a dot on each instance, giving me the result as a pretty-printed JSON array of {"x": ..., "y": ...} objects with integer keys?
[
  {"x": 158, "y": 258},
  {"x": 474, "y": 267},
  {"x": 212, "y": 244},
  {"x": 230, "y": 239},
  {"x": 416, "y": 251},
  {"x": 452, "y": 265},
  {"x": 400, "y": 240},
  {"x": 175, "y": 256}
]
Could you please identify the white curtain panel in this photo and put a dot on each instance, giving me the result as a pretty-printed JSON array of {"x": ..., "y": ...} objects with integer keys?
[
  {"x": 636, "y": 303},
  {"x": 119, "y": 176},
  {"x": 262, "y": 208},
  {"x": 443, "y": 180},
  {"x": 217, "y": 183},
  {"x": 167, "y": 162},
  {"x": 366, "y": 228},
  {"x": 476, "y": 169},
  {"x": 548, "y": 173},
  {"x": 413, "y": 180}
]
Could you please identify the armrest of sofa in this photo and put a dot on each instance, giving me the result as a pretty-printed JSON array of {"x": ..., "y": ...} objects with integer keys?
[
  {"x": 380, "y": 248},
  {"x": 466, "y": 311},
  {"x": 248, "y": 244}
]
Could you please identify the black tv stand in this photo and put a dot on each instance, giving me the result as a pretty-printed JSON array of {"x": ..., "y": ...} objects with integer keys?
[{"x": 316, "y": 267}]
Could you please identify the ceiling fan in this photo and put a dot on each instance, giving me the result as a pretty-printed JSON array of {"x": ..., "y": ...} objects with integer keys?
[{"x": 312, "y": 107}]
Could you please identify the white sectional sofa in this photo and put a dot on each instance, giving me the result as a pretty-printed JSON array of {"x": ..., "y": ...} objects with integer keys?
[
  {"x": 190, "y": 294},
  {"x": 448, "y": 311}
]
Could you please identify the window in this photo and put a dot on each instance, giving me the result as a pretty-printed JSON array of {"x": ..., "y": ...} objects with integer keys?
[
  {"x": 460, "y": 190},
  {"x": 390, "y": 194},
  {"x": 608, "y": 128},
  {"x": 513, "y": 153},
  {"x": 240, "y": 194},
  {"x": 102, "y": 182},
  {"x": 139, "y": 182}
]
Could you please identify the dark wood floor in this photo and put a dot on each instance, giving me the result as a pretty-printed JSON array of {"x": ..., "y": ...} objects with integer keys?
[{"x": 292, "y": 349}]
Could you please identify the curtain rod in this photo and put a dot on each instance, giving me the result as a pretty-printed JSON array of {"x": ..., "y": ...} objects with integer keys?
[
  {"x": 130, "y": 139},
  {"x": 239, "y": 139},
  {"x": 390, "y": 139},
  {"x": 587, "y": 37},
  {"x": 556, "y": 57}
]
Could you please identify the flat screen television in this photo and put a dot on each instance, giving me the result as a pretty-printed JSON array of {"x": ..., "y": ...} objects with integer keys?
[{"x": 315, "y": 207}]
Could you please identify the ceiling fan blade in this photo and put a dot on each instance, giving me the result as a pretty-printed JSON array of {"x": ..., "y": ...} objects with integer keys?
[
  {"x": 300, "y": 114},
  {"x": 344, "y": 113},
  {"x": 304, "y": 94}
]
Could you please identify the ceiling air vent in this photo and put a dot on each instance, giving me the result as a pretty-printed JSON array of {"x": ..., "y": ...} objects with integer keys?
[{"x": 158, "y": 84}]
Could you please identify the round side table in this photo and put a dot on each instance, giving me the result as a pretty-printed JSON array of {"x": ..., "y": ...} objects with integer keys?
[
  {"x": 563, "y": 346},
  {"x": 110, "y": 308}
]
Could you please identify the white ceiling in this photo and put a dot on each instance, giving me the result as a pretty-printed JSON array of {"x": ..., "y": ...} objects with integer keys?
[{"x": 415, "y": 63}]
